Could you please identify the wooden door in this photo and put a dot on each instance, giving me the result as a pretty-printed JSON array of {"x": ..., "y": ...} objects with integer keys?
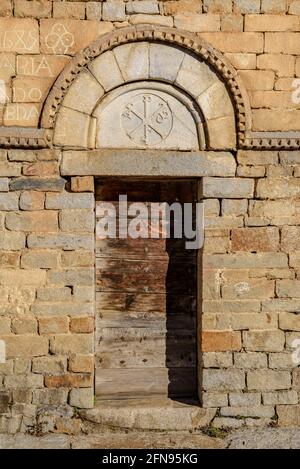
[{"x": 146, "y": 303}]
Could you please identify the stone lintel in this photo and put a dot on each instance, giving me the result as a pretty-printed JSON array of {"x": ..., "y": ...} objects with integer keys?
[{"x": 147, "y": 163}]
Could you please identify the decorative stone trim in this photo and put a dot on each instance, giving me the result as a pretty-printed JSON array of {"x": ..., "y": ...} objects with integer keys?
[
  {"x": 272, "y": 140},
  {"x": 25, "y": 137}
]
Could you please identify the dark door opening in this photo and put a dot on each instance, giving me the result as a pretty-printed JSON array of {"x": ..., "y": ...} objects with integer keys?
[{"x": 146, "y": 297}]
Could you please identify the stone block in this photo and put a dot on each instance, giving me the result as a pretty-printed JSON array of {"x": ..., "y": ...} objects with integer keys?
[
  {"x": 248, "y": 411},
  {"x": 54, "y": 294},
  {"x": 249, "y": 289},
  {"x": 37, "y": 184},
  {"x": 229, "y": 188},
  {"x": 80, "y": 276},
  {"x": 250, "y": 360},
  {"x": 34, "y": 9},
  {"x": 244, "y": 399},
  {"x": 72, "y": 343},
  {"x": 94, "y": 11},
  {"x": 214, "y": 399},
  {"x": 256, "y": 80},
  {"x": 81, "y": 363},
  {"x": 217, "y": 6},
  {"x": 9, "y": 201},
  {"x": 36, "y": 221},
  {"x": 82, "y": 325},
  {"x": 255, "y": 239},
  {"x": 11, "y": 29},
  {"x": 290, "y": 238},
  {"x": 77, "y": 221},
  {"x": 63, "y": 241},
  {"x": 82, "y": 184},
  {"x": 19, "y": 278},
  {"x": 70, "y": 380},
  {"x": 4, "y": 185},
  {"x": 39, "y": 259},
  {"x": 28, "y": 381},
  {"x": 70, "y": 201},
  {"x": 69, "y": 10},
  {"x": 151, "y": 19},
  {"x": 273, "y": 6},
  {"x": 280, "y": 398},
  {"x": 217, "y": 359},
  {"x": 53, "y": 325},
  {"x": 246, "y": 6},
  {"x": 113, "y": 11},
  {"x": 288, "y": 415},
  {"x": 32, "y": 200},
  {"x": 241, "y": 42},
  {"x": 197, "y": 23},
  {"x": 82, "y": 398},
  {"x": 25, "y": 346},
  {"x": 223, "y": 380},
  {"x": 234, "y": 207},
  {"x": 220, "y": 341},
  {"x": 50, "y": 396},
  {"x": 282, "y": 65},
  {"x": 133, "y": 60},
  {"x": 268, "y": 380},
  {"x": 264, "y": 341},
  {"x": 105, "y": 69},
  {"x": 52, "y": 365},
  {"x": 24, "y": 325},
  {"x": 78, "y": 99}
]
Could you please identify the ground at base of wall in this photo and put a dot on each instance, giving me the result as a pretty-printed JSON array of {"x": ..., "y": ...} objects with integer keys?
[{"x": 264, "y": 438}]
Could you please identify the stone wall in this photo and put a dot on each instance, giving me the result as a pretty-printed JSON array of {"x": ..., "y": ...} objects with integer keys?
[
  {"x": 259, "y": 37},
  {"x": 251, "y": 291},
  {"x": 46, "y": 292}
]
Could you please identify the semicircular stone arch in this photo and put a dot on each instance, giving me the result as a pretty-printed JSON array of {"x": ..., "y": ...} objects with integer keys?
[{"x": 146, "y": 88}]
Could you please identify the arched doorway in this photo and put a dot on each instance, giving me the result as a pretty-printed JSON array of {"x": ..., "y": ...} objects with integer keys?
[{"x": 148, "y": 106}]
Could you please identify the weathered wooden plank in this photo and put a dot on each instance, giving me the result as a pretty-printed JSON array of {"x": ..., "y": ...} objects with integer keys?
[
  {"x": 136, "y": 383},
  {"x": 144, "y": 319}
]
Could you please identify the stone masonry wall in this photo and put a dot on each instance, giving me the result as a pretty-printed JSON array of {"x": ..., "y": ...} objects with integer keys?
[
  {"x": 46, "y": 293},
  {"x": 251, "y": 291},
  {"x": 259, "y": 37}
]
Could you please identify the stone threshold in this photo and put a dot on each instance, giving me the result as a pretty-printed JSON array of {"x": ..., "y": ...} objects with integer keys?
[{"x": 149, "y": 414}]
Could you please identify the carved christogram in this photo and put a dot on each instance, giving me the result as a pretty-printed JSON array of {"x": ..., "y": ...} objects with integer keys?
[{"x": 147, "y": 119}]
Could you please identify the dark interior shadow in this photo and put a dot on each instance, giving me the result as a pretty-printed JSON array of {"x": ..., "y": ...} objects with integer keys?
[{"x": 181, "y": 321}]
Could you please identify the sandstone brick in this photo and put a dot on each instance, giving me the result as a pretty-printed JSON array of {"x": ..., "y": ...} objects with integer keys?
[
  {"x": 232, "y": 23},
  {"x": 265, "y": 380},
  {"x": 10, "y": 33},
  {"x": 22, "y": 396},
  {"x": 85, "y": 294},
  {"x": 82, "y": 325},
  {"x": 180, "y": 6},
  {"x": 25, "y": 345},
  {"x": 217, "y": 359},
  {"x": 9, "y": 202},
  {"x": 272, "y": 100},
  {"x": 22, "y": 366},
  {"x": 82, "y": 184},
  {"x": 245, "y": 260},
  {"x": 22, "y": 277},
  {"x": 230, "y": 188},
  {"x": 257, "y": 158},
  {"x": 248, "y": 289},
  {"x": 21, "y": 114},
  {"x": 280, "y": 397},
  {"x": 81, "y": 363},
  {"x": 214, "y": 399},
  {"x": 4, "y": 185},
  {"x": 270, "y": 208},
  {"x": 258, "y": 79},
  {"x": 80, "y": 34},
  {"x": 281, "y": 361},
  {"x": 277, "y": 188},
  {"x": 295, "y": 259},
  {"x": 77, "y": 221},
  {"x": 142, "y": 6},
  {"x": 37, "y": 221},
  {"x": 197, "y": 23},
  {"x": 42, "y": 66},
  {"x": 32, "y": 200},
  {"x": 54, "y": 294},
  {"x": 9, "y": 169},
  {"x": 34, "y": 9},
  {"x": 70, "y": 380},
  {"x": 220, "y": 341},
  {"x": 246, "y": 6},
  {"x": 237, "y": 42},
  {"x": 9, "y": 259},
  {"x": 6, "y": 8},
  {"x": 69, "y": 10},
  {"x": 273, "y": 6},
  {"x": 24, "y": 325},
  {"x": 5, "y": 325},
  {"x": 288, "y": 416},
  {"x": 64, "y": 241},
  {"x": 251, "y": 171},
  {"x": 279, "y": 305},
  {"x": 271, "y": 23},
  {"x": 282, "y": 43},
  {"x": 223, "y": 380},
  {"x": 296, "y": 379},
  {"x": 72, "y": 343},
  {"x": 264, "y": 341},
  {"x": 94, "y": 11},
  {"x": 217, "y": 6},
  {"x": 151, "y": 19},
  {"x": 53, "y": 325},
  {"x": 52, "y": 365},
  {"x": 290, "y": 238},
  {"x": 242, "y": 61},
  {"x": 294, "y": 7},
  {"x": 50, "y": 396},
  {"x": 288, "y": 289},
  {"x": 250, "y": 360},
  {"x": 248, "y": 411},
  {"x": 77, "y": 259},
  {"x": 246, "y": 321},
  {"x": 29, "y": 381},
  {"x": 82, "y": 398},
  {"x": 113, "y": 11},
  {"x": 245, "y": 399},
  {"x": 41, "y": 168},
  {"x": 40, "y": 259},
  {"x": 228, "y": 422},
  {"x": 68, "y": 426},
  {"x": 82, "y": 277},
  {"x": 217, "y": 245},
  {"x": 69, "y": 201},
  {"x": 37, "y": 184},
  {"x": 289, "y": 321},
  {"x": 282, "y": 65},
  {"x": 255, "y": 239}
]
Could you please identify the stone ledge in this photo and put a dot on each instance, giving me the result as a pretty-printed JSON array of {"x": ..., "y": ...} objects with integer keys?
[{"x": 147, "y": 163}]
